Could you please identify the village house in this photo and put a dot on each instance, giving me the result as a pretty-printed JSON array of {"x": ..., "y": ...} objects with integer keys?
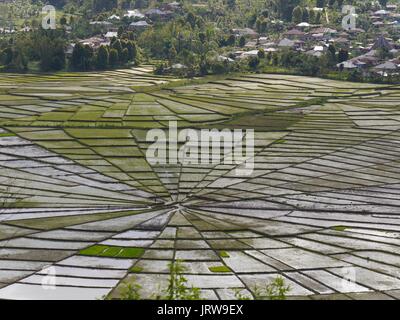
[
  {"x": 95, "y": 42},
  {"x": 139, "y": 25},
  {"x": 114, "y": 17},
  {"x": 246, "y": 32},
  {"x": 386, "y": 68},
  {"x": 286, "y": 43},
  {"x": 111, "y": 34},
  {"x": 158, "y": 15},
  {"x": 172, "y": 6},
  {"x": 295, "y": 34},
  {"x": 134, "y": 14}
]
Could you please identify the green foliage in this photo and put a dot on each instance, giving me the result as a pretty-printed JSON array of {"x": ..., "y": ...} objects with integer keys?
[
  {"x": 130, "y": 291},
  {"x": 50, "y": 49},
  {"x": 82, "y": 56},
  {"x": 297, "y": 15},
  {"x": 223, "y": 254},
  {"x": 339, "y": 228},
  {"x": 177, "y": 284},
  {"x": 136, "y": 269},
  {"x": 112, "y": 251},
  {"x": 102, "y": 58},
  {"x": 114, "y": 58},
  {"x": 104, "y": 5},
  {"x": 242, "y": 41},
  {"x": 7, "y": 134},
  {"x": 220, "y": 269},
  {"x": 276, "y": 290},
  {"x": 240, "y": 296},
  {"x": 253, "y": 62}
]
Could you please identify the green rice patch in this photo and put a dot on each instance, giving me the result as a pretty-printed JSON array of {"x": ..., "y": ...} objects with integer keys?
[
  {"x": 96, "y": 250},
  {"x": 112, "y": 251},
  {"x": 339, "y": 228},
  {"x": 131, "y": 253},
  {"x": 220, "y": 269},
  {"x": 223, "y": 254},
  {"x": 136, "y": 269},
  {"x": 6, "y": 134}
]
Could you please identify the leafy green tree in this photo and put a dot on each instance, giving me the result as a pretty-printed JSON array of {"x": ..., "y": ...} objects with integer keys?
[
  {"x": 114, "y": 58},
  {"x": 124, "y": 58},
  {"x": 297, "y": 15},
  {"x": 117, "y": 45},
  {"x": 254, "y": 62},
  {"x": 343, "y": 55},
  {"x": 331, "y": 55},
  {"x": 306, "y": 15},
  {"x": 231, "y": 4},
  {"x": 284, "y": 8},
  {"x": 6, "y": 56},
  {"x": 63, "y": 21},
  {"x": 81, "y": 59},
  {"x": 383, "y": 3},
  {"x": 104, "y": 5},
  {"x": 102, "y": 58},
  {"x": 242, "y": 41},
  {"x": 230, "y": 41}
]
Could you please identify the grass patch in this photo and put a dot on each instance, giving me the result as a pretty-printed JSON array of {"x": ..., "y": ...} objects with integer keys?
[
  {"x": 136, "y": 269},
  {"x": 280, "y": 141},
  {"x": 131, "y": 253},
  {"x": 339, "y": 228},
  {"x": 7, "y": 134},
  {"x": 112, "y": 251},
  {"x": 93, "y": 251},
  {"x": 219, "y": 269},
  {"x": 223, "y": 254}
]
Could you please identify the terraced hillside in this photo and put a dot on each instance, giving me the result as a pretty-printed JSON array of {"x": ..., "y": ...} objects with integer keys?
[{"x": 79, "y": 199}]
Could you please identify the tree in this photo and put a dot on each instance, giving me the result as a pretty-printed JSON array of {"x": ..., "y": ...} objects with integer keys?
[
  {"x": 124, "y": 57},
  {"x": 284, "y": 8},
  {"x": 331, "y": 55},
  {"x": 306, "y": 15},
  {"x": 113, "y": 58},
  {"x": 77, "y": 57},
  {"x": 120, "y": 31},
  {"x": 117, "y": 45},
  {"x": 254, "y": 62},
  {"x": 242, "y": 41},
  {"x": 230, "y": 41},
  {"x": 102, "y": 58},
  {"x": 231, "y": 4},
  {"x": 191, "y": 19},
  {"x": 6, "y": 56},
  {"x": 63, "y": 21},
  {"x": 104, "y": 5},
  {"x": 317, "y": 17},
  {"x": 297, "y": 15},
  {"x": 81, "y": 58},
  {"x": 383, "y": 3},
  {"x": 133, "y": 51},
  {"x": 343, "y": 55}
]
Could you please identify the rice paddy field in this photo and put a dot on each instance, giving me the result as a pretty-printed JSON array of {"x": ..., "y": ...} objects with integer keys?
[{"x": 80, "y": 201}]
